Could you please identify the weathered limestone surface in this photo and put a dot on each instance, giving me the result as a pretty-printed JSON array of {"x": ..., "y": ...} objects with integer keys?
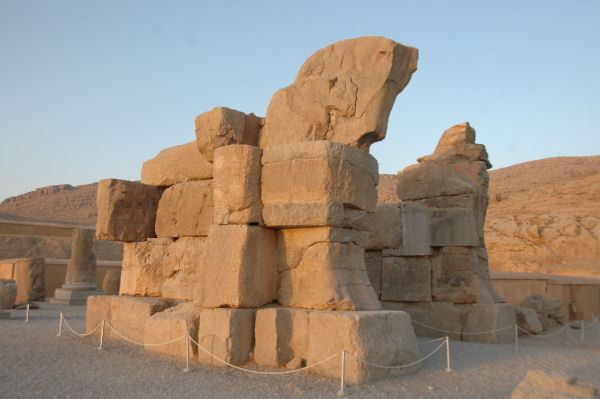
[
  {"x": 330, "y": 276},
  {"x": 281, "y": 335},
  {"x": 547, "y": 309},
  {"x": 386, "y": 227},
  {"x": 453, "y": 227},
  {"x": 317, "y": 184},
  {"x": 30, "y": 274},
  {"x": 497, "y": 320},
  {"x": 343, "y": 93},
  {"x": 185, "y": 209},
  {"x": 528, "y": 321},
  {"x": 126, "y": 314},
  {"x": 240, "y": 267},
  {"x": 416, "y": 230},
  {"x": 433, "y": 319},
  {"x": 406, "y": 279},
  {"x": 111, "y": 282},
  {"x": 175, "y": 165},
  {"x": 126, "y": 210},
  {"x": 227, "y": 334},
  {"x": 373, "y": 262},
  {"x": 383, "y": 337},
  {"x": 236, "y": 184},
  {"x": 183, "y": 268},
  {"x": 224, "y": 126},
  {"x": 8, "y": 293},
  {"x": 170, "y": 324}
]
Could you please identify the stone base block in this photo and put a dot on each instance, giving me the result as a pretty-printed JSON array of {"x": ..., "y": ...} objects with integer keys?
[
  {"x": 406, "y": 279},
  {"x": 171, "y": 324},
  {"x": 381, "y": 337},
  {"x": 433, "y": 319},
  {"x": 67, "y": 296},
  {"x": 281, "y": 336},
  {"x": 226, "y": 333},
  {"x": 498, "y": 318}
]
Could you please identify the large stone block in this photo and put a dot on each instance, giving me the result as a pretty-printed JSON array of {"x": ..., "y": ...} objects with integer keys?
[
  {"x": 406, "y": 279},
  {"x": 433, "y": 319},
  {"x": 30, "y": 277},
  {"x": 343, "y": 93},
  {"x": 386, "y": 227},
  {"x": 237, "y": 185},
  {"x": 183, "y": 268},
  {"x": 281, "y": 336},
  {"x": 175, "y": 165},
  {"x": 491, "y": 323},
  {"x": 126, "y": 210},
  {"x": 170, "y": 324},
  {"x": 416, "y": 238},
  {"x": 185, "y": 210},
  {"x": 224, "y": 126},
  {"x": 240, "y": 267},
  {"x": 227, "y": 334},
  {"x": 317, "y": 183},
  {"x": 97, "y": 309},
  {"x": 384, "y": 337},
  {"x": 373, "y": 261},
  {"x": 459, "y": 276},
  {"x": 8, "y": 293},
  {"x": 329, "y": 276},
  {"x": 453, "y": 227},
  {"x": 142, "y": 272}
]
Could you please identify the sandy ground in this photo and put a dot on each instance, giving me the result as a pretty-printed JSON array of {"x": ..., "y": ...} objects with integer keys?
[{"x": 35, "y": 363}]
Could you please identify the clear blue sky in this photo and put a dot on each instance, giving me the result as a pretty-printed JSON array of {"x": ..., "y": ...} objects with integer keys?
[{"x": 92, "y": 89}]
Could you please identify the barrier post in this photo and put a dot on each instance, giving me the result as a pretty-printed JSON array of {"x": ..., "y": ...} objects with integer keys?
[
  {"x": 341, "y": 392},
  {"x": 60, "y": 321},
  {"x": 187, "y": 354},
  {"x": 516, "y": 338},
  {"x": 26, "y": 313},
  {"x": 582, "y": 336},
  {"x": 101, "y": 335},
  {"x": 448, "y": 354}
]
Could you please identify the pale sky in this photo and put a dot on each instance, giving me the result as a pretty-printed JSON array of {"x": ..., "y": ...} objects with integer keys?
[{"x": 91, "y": 89}]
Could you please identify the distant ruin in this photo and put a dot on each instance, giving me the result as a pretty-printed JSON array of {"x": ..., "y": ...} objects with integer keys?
[{"x": 264, "y": 241}]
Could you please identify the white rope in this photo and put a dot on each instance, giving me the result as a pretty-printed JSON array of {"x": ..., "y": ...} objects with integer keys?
[
  {"x": 433, "y": 340},
  {"x": 264, "y": 372},
  {"x": 440, "y": 346},
  {"x": 463, "y": 333},
  {"x": 141, "y": 343},
  {"x": 20, "y": 307},
  {"x": 80, "y": 335},
  {"x": 554, "y": 334}
]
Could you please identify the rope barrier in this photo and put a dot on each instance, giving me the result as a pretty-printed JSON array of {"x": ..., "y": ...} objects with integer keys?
[
  {"x": 403, "y": 365},
  {"x": 460, "y": 332},
  {"x": 141, "y": 343},
  {"x": 554, "y": 334}
]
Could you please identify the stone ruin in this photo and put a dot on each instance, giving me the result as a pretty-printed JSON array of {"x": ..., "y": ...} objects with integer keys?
[{"x": 252, "y": 238}]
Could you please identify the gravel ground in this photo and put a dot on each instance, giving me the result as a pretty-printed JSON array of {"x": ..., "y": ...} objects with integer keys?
[{"x": 35, "y": 363}]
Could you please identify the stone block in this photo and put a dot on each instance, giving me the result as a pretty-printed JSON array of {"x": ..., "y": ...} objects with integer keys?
[
  {"x": 73, "y": 296},
  {"x": 386, "y": 227},
  {"x": 183, "y": 268},
  {"x": 458, "y": 277},
  {"x": 8, "y": 293},
  {"x": 383, "y": 337},
  {"x": 227, "y": 334},
  {"x": 126, "y": 210},
  {"x": 30, "y": 277},
  {"x": 224, "y": 126},
  {"x": 406, "y": 279},
  {"x": 237, "y": 185},
  {"x": 416, "y": 239},
  {"x": 111, "y": 282},
  {"x": 433, "y": 319},
  {"x": 97, "y": 309},
  {"x": 170, "y": 324},
  {"x": 179, "y": 164},
  {"x": 240, "y": 267},
  {"x": 280, "y": 335},
  {"x": 453, "y": 227},
  {"x": 329, "y": 276},
  {"x": 142, "y": 272},
  {"x": 528, "y": 320},
  {"x": 185, "y": 210},
  {"x": 128, "y": 316},
  {"x": 314, "y": 183},
  {"x": 373, "y": 261},
  {"x": 490, "y": 323},
  {"x": 342, "y": 93}
]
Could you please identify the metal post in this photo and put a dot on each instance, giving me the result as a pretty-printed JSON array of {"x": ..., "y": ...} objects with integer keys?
[
  {"x": 341, "y": 392},
  {"x": 187, "y": 354},
  {"x": 448, "y": 354},
  {"x": 582, "y": 337},
  {"x": 516, "y": 338},
  {"x": 101, "y": 335},
  {"x": 60, "y": 321},
  {"x": 26, "y": 313}
]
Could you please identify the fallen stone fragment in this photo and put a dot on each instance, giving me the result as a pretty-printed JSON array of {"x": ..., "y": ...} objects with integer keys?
[{"x": 528, "y": 320}]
